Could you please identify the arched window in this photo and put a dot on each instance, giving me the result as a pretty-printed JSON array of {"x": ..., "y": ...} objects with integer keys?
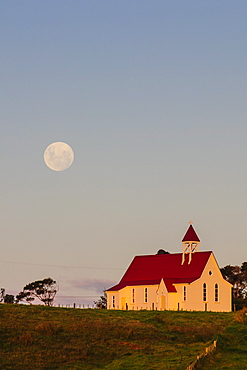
[
  {"x": 216, "y": 293},
  {"x": 145, "y": 295},
  {"x": 113, "y": 301},
  {"x": 204, "y": 292},
  {"x": 185, "y": 293},
  {"x": 133, "y": 295}
]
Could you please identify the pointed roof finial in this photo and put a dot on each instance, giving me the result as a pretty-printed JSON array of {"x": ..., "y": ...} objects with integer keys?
[{"x": 190, "y": 235}]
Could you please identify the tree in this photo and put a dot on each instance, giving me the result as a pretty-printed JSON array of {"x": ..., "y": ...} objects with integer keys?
[
  {"x": 45, "y": 290},
  {"x": 244, "y": 273},
  {"x": 237, "y": 276},
  {"x": 162, "y": 251},
  {"x": 2, "y": 293},
  {"x": 102, "y": 302},
  {"x": 9, "y": 298},
  {"x": 6, "y": 298}
]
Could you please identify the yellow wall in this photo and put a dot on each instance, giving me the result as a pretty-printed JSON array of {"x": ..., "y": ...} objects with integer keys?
[
  {"x": 194, "y": 299},
  {"x": 125, "y": 296}
]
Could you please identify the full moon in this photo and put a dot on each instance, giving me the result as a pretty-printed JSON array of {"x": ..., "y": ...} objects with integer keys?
[{"x": 58, "y": 156}]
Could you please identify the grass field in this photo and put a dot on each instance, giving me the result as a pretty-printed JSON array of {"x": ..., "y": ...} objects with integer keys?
[
  {"x": 38, "y": 337},
  {"x": 232, "y": 347}
]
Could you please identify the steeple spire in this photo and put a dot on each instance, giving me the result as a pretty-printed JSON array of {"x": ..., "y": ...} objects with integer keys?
[{"x": 190, "y": 242}]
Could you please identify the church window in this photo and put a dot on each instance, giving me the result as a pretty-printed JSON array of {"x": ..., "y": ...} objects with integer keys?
[
  {"x": 145, "y": 295},
  {"x": 185, "y": 293},
  {"x": 204, "y": 292},
  {"x": 113, "y": 301},
  {"x": 133, "y": 295},
  {"x": 216, "y": 293}
]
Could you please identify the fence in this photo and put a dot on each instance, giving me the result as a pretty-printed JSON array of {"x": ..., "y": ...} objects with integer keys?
[
  {"x": 74, "y": 305},
  {"x": 208, "y": 350}
]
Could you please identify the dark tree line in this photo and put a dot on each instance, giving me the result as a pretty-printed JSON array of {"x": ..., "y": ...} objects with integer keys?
[
  {"x": 237, "y": 276},
  {"x": 44, "y": 290}
]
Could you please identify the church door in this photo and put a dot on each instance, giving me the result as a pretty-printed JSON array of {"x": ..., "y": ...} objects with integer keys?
[
  {"x": 123, "y": 303},
  {"x": 162, "y": 302}
]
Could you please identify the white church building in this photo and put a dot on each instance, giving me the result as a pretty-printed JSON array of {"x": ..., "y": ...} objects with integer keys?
[{"x": 190, "y": 280}]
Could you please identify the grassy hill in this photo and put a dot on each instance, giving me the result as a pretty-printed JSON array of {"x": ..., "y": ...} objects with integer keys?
[
  {"x": 231, "y": 346},
  {"x": 38, "y": 337}
]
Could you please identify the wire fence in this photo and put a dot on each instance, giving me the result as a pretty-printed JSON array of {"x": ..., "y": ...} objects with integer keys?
[
  {"x": 74, "y": 305},
  {"x": 208, "y": 350}
]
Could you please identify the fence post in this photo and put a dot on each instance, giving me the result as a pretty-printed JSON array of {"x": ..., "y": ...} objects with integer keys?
[{"x": 207, "y": 350}]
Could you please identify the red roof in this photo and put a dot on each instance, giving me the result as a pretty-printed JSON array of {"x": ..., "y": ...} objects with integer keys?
[
  {"x": 191, "y": 235},
  {"x": 150, "y": 270}
]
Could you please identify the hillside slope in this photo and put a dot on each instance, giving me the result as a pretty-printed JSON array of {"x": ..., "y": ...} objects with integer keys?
[
  {"x": 231, "y": 346},
  {"x": 38, "y": 337}
]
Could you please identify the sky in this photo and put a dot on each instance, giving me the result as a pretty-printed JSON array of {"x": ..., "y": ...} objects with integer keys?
[{"x": 151, "y": 96}]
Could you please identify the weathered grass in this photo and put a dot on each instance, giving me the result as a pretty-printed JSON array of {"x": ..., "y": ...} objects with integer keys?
[
  {"x": 38, "y": 337},
  {"x": 231, "y": 346}
]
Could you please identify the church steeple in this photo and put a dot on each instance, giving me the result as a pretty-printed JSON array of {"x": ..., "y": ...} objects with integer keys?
[{"x": 190, "y": 242}]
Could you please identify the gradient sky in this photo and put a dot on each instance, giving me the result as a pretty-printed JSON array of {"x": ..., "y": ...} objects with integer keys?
[{"x": 151, "y": 96}]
